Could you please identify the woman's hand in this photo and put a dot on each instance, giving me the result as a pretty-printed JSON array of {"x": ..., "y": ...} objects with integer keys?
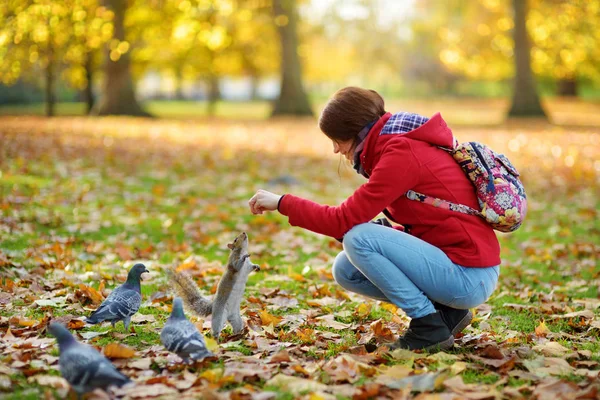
[{"x": 263, "y": 201}]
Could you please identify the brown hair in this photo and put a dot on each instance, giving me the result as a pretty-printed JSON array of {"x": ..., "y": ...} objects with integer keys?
[{"x": 348, "y": 111}]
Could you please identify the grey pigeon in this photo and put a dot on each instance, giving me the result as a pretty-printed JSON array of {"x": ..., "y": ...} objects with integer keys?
[
  {"x": 123, "y": 302},
  {"x": 181, "y": 337},
  {"x": 83, "y": 366}
]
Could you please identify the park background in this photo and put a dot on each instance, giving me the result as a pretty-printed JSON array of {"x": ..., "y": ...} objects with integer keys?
[{"x": 137, "y": 130}]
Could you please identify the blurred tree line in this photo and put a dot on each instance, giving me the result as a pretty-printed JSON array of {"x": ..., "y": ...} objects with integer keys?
[{"x": 435, "y": 47}]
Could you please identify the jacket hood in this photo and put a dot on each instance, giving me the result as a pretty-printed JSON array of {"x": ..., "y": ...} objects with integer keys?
[{"x": 435, "y": 132}]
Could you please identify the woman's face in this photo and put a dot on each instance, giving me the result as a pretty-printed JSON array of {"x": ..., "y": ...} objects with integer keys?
[{"x": 344, "y": 148}]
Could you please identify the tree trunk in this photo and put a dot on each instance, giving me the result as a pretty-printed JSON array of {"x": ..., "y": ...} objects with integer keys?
[
  {"x": 214, "y": 95},
  {"x": 118, "y": 93},
  {"x": 567, "y": 87},
  {"x": 50, "y": 96},
  {"x": 179, "y": 84},
  {"x": 254, "y": 81},
  {"x": 525, "y": 101},
  {"x": 88, "y": 93},
  {"x": 292, "y": 98},
  {"x": 252, "y": 72}
]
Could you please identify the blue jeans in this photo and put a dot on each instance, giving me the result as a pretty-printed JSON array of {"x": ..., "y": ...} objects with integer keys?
[{"x": 390, "y": 265}]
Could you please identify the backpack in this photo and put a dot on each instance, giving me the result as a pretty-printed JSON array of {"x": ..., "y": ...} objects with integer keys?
[{"x": 499, "y": 191}]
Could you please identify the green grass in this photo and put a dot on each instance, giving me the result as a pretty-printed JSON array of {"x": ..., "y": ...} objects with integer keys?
[
  {"x": 162, "y": 109},
  {"x": 113, "y": 200},
  {"x": 485, "y": 377}
]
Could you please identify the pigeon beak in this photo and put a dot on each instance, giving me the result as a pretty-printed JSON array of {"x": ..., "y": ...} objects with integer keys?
[
  {"x": 143, "y": 272},
  {"x": 256, "y": 267}
]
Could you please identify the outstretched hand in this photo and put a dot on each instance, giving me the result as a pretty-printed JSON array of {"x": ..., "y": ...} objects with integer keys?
[{"x": 263, "y": 201}]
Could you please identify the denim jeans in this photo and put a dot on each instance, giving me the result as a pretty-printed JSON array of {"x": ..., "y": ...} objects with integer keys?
[{"x": 390, "y": 265}]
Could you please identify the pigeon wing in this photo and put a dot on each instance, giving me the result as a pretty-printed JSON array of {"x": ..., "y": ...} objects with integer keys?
[
  {"x": 121, "y": 303},
  {"x": 182, "y": 337}
]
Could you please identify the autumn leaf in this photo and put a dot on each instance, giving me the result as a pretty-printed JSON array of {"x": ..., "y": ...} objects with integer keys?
[
  {"x": 268, "y": 319},
  {"x": 363, "y": 310},
  {"x": 116, "y": 350},
  {"x": 381, "y": 332},
  {"x": 85, "y": 188},
  {"x": 542, "y": 330},
  {"x": 89, "y": 293}
]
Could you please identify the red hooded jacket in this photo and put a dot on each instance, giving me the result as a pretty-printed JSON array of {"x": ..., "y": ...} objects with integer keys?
[{"x": 397, "y": 163}]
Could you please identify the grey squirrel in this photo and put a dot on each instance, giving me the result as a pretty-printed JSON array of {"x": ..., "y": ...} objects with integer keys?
[{"x": 226, "y": 304}]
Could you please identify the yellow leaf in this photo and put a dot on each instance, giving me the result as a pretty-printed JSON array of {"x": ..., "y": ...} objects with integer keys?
[
  {"x": 458, "y": 367},
  {"x": 26, "y": 322},
  {"x": 389, "y": 307},
  {"x": 211, "y": 344},
  {"x": 542, "y": 330},
  {"x": 268, "y": 319},
  {"x": 363, "y": 310},
  {"x": 212, "y": 375}
]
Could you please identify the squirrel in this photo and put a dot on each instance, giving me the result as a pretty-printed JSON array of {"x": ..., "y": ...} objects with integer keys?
[{"x": 226, "y": 304}]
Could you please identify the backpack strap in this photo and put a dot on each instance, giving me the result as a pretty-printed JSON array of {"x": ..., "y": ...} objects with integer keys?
[{"x": 434, "y": 201}]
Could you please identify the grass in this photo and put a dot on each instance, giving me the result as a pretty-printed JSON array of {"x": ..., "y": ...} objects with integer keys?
[
  {"x": 182, "y": 196},
  {"x": 162, "y": 109}
]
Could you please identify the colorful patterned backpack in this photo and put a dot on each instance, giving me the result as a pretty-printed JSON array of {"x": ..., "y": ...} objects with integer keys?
[{"x": 500, "y": 193}]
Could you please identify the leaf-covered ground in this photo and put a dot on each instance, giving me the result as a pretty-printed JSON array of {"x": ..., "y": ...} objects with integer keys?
[{"x": 82, "y": 200}]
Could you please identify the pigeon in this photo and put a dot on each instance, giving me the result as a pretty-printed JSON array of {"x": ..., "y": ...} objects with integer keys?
[
  {"x": 181, "y": 337},
  {"x": 123, "y": 302},
  {"x": 83, "y": 366}
]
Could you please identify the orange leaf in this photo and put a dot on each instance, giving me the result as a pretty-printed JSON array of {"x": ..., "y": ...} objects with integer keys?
[
  {"x": 185, "y": 265},
  {"x": 305, "y": 335},
  {"x": 297, "y": 277},
  {"x": 91, "y": 293},
  {"x": 23, "y": 321},
  {"x": 115, "y": 350},
  {"x": 76, "y": 324},
  {"x": 382, "y": 332}
]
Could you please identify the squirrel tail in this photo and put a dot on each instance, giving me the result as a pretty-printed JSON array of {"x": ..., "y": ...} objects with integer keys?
[{"x": 186, "y": 288}]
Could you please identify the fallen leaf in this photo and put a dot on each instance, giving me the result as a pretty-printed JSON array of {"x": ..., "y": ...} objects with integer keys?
[
  {"x": 427, "y": 382},
  {"x": 116, "y": 350},
  {"x": 542, "y": 330},
  {"x": 280, "y": 357},
  {"x": 555, "y": 389},
  {"x": 295, "y": 385},
  {"x": 552, "y": 349},
  {"x": 268, "y": 319}
]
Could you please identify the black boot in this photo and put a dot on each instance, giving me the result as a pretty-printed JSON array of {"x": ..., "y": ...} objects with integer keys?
[
  {"x": 426, "y": 333},
  {"x": 456, "y": 320}
]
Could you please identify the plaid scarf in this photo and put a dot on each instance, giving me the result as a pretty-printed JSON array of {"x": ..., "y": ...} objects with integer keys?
[
  {"x": 397, "y": 124},
  {"x": 362, "y": 135}
]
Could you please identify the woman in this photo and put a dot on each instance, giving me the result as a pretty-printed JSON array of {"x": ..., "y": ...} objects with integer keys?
[{"x": 437, "y": 263}]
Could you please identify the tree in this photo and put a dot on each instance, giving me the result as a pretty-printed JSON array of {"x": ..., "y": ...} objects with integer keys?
[
  {"x": 118, "y": 94},
  {"x": 292, "y": 97},
  {"x": 525, "y": 100},
  {"x": 566, "y": 47},
  {"x": 51, "y": 40}
]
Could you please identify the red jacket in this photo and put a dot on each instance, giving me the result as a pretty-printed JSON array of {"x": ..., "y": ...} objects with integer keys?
[{"x": 395, "y": 164}]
